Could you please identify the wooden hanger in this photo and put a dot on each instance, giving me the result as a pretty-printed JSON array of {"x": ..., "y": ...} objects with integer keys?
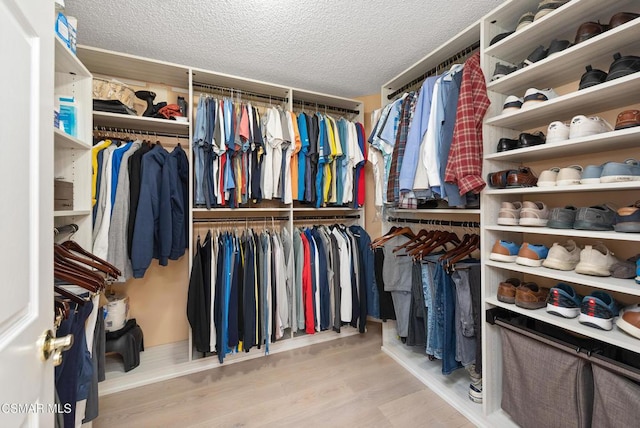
[
  {"x": 401, "y": 231},
  {"x": 69, "y": 295},
  {"x": 74, "y": 246}
]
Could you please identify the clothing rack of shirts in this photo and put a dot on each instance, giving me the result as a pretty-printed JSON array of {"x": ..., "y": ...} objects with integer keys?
[
  {"x": 103, "y": 130},
  {"x": 457, "y": 57},
  {"x": 240, "y": 92},
  {"x": 326, "y": 107},
  {"x": 67, "y": 228},
  {"x": 435, "y": 222}
]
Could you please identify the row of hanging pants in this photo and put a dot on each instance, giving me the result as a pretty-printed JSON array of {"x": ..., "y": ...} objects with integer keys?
[
  {"x": 436, "y": 306},
  {"x": 248, "y": 288}
]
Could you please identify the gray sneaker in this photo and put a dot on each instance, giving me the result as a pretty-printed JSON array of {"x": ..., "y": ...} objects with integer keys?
[
  {"x": 598, "y": 217},
  {"x": 562, "y": 218},
  {"x": 502, "y": 70}
]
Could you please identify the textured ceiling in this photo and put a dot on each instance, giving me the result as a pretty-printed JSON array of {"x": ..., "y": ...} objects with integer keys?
[{"x": 347, "y": 48}]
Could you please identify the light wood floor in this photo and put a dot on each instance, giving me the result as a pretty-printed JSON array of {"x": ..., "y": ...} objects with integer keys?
[{"x": 347, "y": 382}]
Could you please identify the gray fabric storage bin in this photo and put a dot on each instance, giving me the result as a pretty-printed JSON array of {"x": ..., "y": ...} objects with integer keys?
[
  {"x": 543, "y": 386},
  {"x": 615, "y": 401}
]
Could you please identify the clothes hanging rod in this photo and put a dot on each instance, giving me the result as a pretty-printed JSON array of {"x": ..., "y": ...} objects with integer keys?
[
  {"x": 103, "y": 129},
  {"x": 435, "y": 222},
  {"x": 67, "y": 228},
  {"x": 239, "y": 219},
  {"x": 240, "y": 92},
  {"x": 327, "y": 218},
  {"x": 326, "y": 107},
  {"x": 446, "y": 63}
]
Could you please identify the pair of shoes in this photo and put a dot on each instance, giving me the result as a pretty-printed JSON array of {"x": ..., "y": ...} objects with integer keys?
[
  {"x": 629, "y": 320},
  {"x": 598, "y": 310},
  {"x": 525, "y": 254},
  {"x": 539, "y": 53},
  {"x": 580, "y": 126},
  {"x": 524, "y": 140},
  {"x": 596, "y": 260},
  {"x": 563, "y": 256},
  {"x": 521, "y": 177},
  {"x": 547, "y": 6},
  {"x": 532, "y": 97},
  {"x": 620, "y": 67},
  {"x": 627, "y": 119},
  {"x": 591, "y": 29},
  {"x": 627, "y": 219},
  {"x": 612, "y": 172},
  {"x": 526, "y": 295},
  {"x": 556, "y": 176},
  {"x": 525, "y": 213},
  {"x": 596, "y": 217}
]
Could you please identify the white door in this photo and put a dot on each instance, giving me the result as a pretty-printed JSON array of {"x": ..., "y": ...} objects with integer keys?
[{"x": 26, "y": 204}]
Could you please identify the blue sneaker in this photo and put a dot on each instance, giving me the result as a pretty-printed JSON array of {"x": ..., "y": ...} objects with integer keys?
[
  {"x": 598, "y": 310},
  {"x": 638, "y": 271},
  {"x": 591, "y": 174},
  {"x": 616, "y": 172},
  {"x": 564, "y": 301},
  {"x": 504, "y": 251},
  {"x": 531, "y": 254}
]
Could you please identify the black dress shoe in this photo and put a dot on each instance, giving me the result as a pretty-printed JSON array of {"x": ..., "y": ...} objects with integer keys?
[
  {"x": 623, "y": 66},
  {"x": 592, "y": 77},
  {"x": 530, "y": 140},
  {"x": 506, "y": 144}
]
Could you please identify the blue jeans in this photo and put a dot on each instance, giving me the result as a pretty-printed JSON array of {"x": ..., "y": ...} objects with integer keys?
[
  {"x": 434, "y": 346},
  {"x": 445, "y": 319}
]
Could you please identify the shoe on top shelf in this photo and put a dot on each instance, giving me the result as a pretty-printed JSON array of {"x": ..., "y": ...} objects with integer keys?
[
  {"x": 525, "y": 19},
  {"x": 595, "y": 260},
  {"x": 535, "y": 96},
  {"x": 617, "y": 172},
  {"x": 596, "y": 217},
  {"x": 562, "y": 217},
  {"x": 531, "y": 254},
  {"x": 598, "y": 310},
  {"x": 622, "y": 18},
  {"x": 534, "y": 214},
  {"x": 588, "y": 30},
  {"x": 557, "y": 131},
  {"x": 509, "y": 213},
  {"x": 627, "y": 219},
  {"x": 547, "y": 6},
  {"x": 583, "y": 126},
  {"x": 563, "y": 256},
  {"x": 569, "y": 176},
  {"x": 564, "y": 301}
]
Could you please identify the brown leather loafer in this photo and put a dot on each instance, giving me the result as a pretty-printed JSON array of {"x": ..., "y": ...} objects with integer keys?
[
  {"x": 628, "y": 119},
  {"x": 499, "y": 179},
  {"x": 530, "y": 296},
  {"x": 622, "y": 18},
  {"x": 522, "y": 177},
  {"x": 507, "y": 290},
  {"x": 589, "y": 30}
]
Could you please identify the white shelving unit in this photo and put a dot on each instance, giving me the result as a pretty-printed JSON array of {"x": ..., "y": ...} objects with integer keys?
[{"x": 563, "y": 70}]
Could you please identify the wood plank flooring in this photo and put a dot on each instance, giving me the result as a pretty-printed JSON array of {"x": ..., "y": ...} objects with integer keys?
[{"x": 347, "y": 382}]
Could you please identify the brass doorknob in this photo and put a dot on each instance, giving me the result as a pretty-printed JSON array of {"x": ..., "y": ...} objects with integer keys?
[{"x": 49, "y": 345}]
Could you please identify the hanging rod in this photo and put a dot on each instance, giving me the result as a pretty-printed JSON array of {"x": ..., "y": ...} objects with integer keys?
[
  {"x": 67, "y": 228},
  {"x": 205, "y": 86},
  {"x": 326, "y": 107},
  {"x": 239, "y": 219},
  {"x": 326, "y": 218},
  {"x": 138, "y": 131},
  {"x": 444, "y": 64},
  {"x": 434, "y": 222}
]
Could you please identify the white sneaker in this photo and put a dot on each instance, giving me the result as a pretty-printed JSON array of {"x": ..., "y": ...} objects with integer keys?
[
  {"x": 548, "y": 177},
  {"x": 509, "y": 214},
  {"x": 595, "y": 260},
  {"x": 535, "y": 96},
  {"x": 563, "y": 256},
  {"x": 512, "y": 104},
  {"x": 557, "y": 131},
  {"x": 569, "y": 175},
  {"x": 582, "y": 126},
  {"x": 534, "y": 214}
]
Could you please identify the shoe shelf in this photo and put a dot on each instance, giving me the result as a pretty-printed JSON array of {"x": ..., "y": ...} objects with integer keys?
[
  {"x": 570, "y": 65},
  {"x": 598, "y": 98},
  {"x": 65, "y": 141},
  {"x": 614, "y": 140},
  {"x": 615, "y": 337},
  {"x": 594, "y": 234},
  {"x": 561, "y": 24},
  {"x": 150, "y": 124},
  {"x": 600, "y": 187},
  {"x": 434, "y": 211},
  {"x": 618, "y": 285}
]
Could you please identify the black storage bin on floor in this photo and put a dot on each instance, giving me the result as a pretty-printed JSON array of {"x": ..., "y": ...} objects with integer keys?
[
  {"x": 543, "y": 386},
  {"x": 128, "y": 342},
  {"x": 615, "y": 401}
]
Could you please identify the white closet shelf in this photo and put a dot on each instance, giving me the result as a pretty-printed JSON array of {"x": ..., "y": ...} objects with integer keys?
[
  {"x": 594, "y": 234},
  {"x": 614, "y": 140},
  {"x": 568, "y": 67},
  {"x": 116, "y": 64},
  {"x": 618, "y": 285},
  {"x": 240, "y": 210},
  {"x": 67, "y": 62},
  {"x": 436, "y": 211},
  {"x": 605, "y": 96},
  {"x": 151, "y": 124},
  {"x": 71, "y": 213},
  {"x": 561, "y": 24},
  {"x": 600, "y": 187},
  {"x": 322, "y": 99},
  {"x": 325, "y": 209},
  {"x": 237, "y": 83},
  {"x": 66, "y": 141},
  {"x": 615, "y": 337}
]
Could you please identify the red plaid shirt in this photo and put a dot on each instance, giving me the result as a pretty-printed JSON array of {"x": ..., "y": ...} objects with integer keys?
[{"x": 464, "y": 167}]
